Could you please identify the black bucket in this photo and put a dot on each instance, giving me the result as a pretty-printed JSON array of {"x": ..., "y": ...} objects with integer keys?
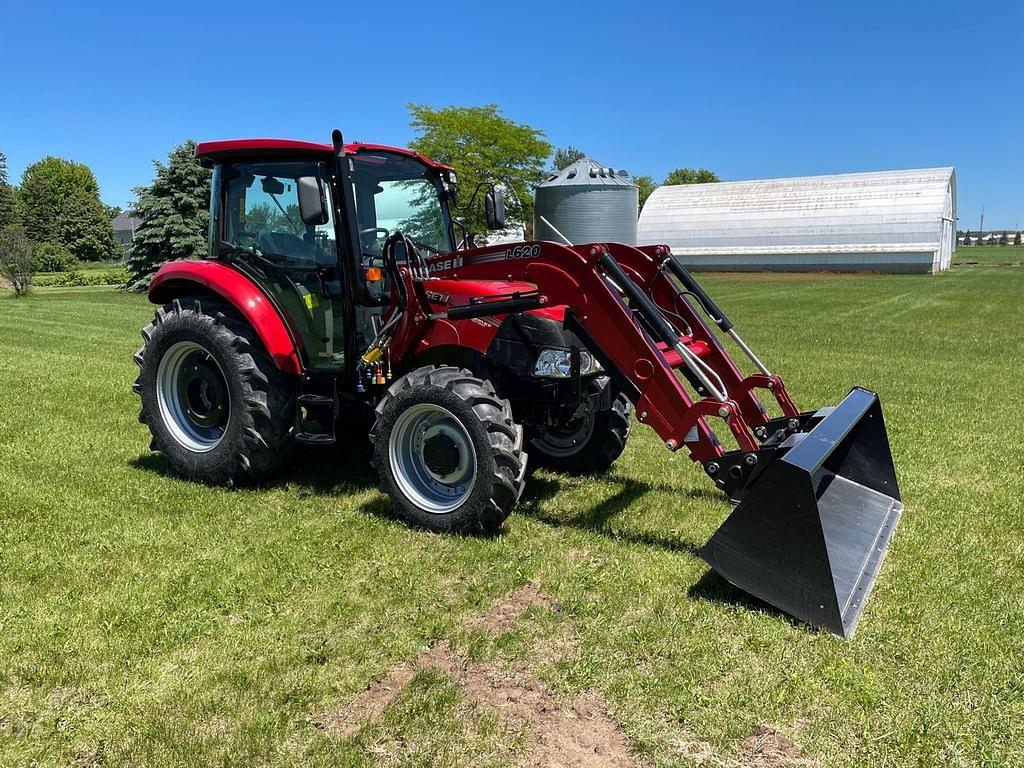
[{"x": 815, "y": 523}]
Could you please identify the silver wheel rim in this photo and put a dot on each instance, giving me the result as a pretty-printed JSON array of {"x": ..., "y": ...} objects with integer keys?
[
  {"x": 193, "y": 409},
  {"x": 569, "y": 440},
  {"x": 436, "y": 485}
]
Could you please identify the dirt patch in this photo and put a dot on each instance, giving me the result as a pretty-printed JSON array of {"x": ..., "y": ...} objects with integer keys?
[
  {"x": 583, "y": 734},
  {"x": 87, "y": 759},
  {"x": 366, "y": 706},
  {"x": 504, "y": 613},
  {"x": 767, "y": 748}
]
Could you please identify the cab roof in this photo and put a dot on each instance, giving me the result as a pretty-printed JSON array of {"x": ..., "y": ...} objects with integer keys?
[{"x": 215, "y": 151}]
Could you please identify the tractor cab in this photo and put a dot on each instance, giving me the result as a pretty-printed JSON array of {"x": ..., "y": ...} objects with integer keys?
[{"x": 309, "y": 229}]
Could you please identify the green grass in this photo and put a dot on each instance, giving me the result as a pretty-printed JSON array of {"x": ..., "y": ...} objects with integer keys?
[
  {"x": 149, "y": 621},
  {"x": 989, "y": 254}
]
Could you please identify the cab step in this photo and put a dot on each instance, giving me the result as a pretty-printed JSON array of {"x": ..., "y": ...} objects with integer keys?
[
  {"x": 317, "y": 410},
  {"x": 316, "y": 400},
  {"x": 314, "y": 438}
]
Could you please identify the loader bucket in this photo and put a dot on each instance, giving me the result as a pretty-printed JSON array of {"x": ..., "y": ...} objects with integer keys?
[{"x": 813, "y": 527}]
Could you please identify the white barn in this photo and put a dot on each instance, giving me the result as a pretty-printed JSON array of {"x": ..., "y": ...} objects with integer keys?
[{"x": 885, "y": 221}]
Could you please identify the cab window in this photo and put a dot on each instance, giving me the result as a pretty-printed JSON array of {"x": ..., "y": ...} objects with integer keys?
[
  {"x": 294, "y": 262},
  {"x": 263, "y": 213},
  {"x": 397, "y": 193}
]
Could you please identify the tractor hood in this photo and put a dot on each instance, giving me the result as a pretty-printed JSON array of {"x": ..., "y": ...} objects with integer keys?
[{"x": 450, "y": 292}]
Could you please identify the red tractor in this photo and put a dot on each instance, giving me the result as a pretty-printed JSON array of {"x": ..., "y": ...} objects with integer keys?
[{"x": 339, "y": 281}]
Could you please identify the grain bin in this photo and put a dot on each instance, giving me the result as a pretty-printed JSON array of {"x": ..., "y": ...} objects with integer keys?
[{"x": 588, "y": 203}]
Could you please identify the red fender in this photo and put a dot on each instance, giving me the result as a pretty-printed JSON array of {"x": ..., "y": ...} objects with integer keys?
[{"x": 180, "y": 278}]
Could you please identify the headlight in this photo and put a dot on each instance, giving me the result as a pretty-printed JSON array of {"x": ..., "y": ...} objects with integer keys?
[{"x": 555, "y": 363}]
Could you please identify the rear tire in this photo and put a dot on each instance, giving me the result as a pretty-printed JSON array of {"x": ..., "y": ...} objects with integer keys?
[
  {"x": 218, "y": 409},
  {"x": 447, "y": 451},
  {"x": 587, "y": 445}
]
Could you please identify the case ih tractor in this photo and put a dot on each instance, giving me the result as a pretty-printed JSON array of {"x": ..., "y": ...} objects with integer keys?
[{"x": 338, "y": 282}]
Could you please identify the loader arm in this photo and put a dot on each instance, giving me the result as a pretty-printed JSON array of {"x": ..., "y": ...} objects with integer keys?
[
  {"x": 605, "y": 289},
  {"x": 818, "y": 498}
]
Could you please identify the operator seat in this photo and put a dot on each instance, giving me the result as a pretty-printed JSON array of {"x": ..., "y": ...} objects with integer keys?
[{"x": 289, "y": 245}]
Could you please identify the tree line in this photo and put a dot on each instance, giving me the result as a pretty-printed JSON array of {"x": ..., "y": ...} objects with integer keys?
[
  {"x": 1006, "y": 238},
  {"x": 52, "y": 220},
  {"x": 57, "y": 212}
]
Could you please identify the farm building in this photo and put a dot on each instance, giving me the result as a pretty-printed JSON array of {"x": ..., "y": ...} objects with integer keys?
[{"x": 885, "y": 221}]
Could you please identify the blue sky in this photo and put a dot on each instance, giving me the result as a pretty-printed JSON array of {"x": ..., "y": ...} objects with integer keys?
[{"x": 750, "y": 90}]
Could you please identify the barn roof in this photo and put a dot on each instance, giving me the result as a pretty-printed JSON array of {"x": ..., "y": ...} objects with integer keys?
[{"x": 851, "y": 212}]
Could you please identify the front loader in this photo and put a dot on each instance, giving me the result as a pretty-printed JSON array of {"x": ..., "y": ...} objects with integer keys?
[{"x": 336, "y": 283}]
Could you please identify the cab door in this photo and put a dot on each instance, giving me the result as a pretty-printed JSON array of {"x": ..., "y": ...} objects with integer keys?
[{"x": 295, "y": 263}]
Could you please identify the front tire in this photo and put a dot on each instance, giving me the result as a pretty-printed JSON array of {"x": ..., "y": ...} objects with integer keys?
[
  {"x": 589, "y": 444},
  {"x": 217, "y": 407},
  {"x": 447, "y": 451}
]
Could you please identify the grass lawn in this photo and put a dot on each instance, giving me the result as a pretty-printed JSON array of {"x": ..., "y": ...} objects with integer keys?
[
  {"x": 149, "y": 621},
  {"x": 989, "y": 254}
]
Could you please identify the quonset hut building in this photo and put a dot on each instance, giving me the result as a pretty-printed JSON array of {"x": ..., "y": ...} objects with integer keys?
[{"x": 886, "y": 221}]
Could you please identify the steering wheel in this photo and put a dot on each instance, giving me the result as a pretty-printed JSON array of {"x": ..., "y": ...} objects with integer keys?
[
  {"x": 374, "y": 248},
  {"x": 243, "y": 234}
]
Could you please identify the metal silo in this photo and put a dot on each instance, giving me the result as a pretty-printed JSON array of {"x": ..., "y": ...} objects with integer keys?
[{"x": 587, "y": 203}]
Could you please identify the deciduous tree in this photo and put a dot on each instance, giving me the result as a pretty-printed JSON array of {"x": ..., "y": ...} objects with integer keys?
[
  {"x": 84, "y": 229},
  {"x": 484, "y": 146},
  {"x": 691, "y": 176},
  {"x": 566, "y": 156},
  {"x": 59, "y": 202},
  {"x": 175, "y": 215},
  {"x": 647, "y": 186},
  {"x": 16, "y": 259}
]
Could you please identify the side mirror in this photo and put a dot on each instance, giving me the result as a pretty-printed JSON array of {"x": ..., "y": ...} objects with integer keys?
[
  {"x": 312, "y": 200},
  {"x": 494, "y": 209}
]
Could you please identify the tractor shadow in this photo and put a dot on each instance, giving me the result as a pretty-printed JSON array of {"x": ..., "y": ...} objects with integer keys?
[
  {"x": 711, "y": 587},
  {"x": 345, "y": 468},
  {"x": 308, "y": 470},
  {"x": 596, "y": 518}
]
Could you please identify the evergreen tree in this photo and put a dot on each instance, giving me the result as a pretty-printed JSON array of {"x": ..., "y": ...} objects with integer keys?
[
  {"x": 175, "y": 213},
  {"x": 8, "y": 206}
]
